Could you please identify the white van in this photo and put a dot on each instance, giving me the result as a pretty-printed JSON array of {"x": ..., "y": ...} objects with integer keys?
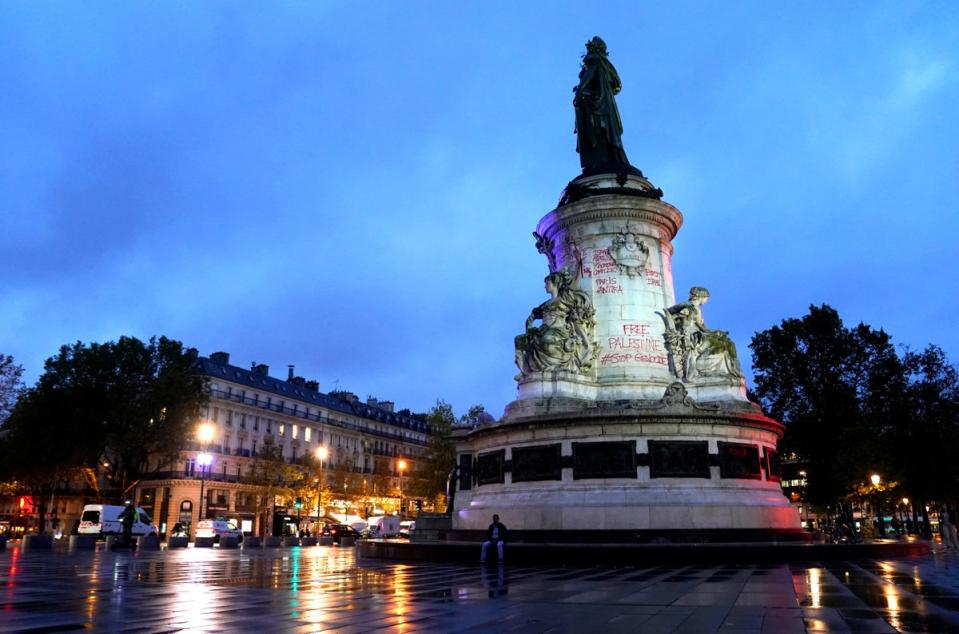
[
  {"x": 104, "y": 519},
  {"x": 384, "y": 526}
]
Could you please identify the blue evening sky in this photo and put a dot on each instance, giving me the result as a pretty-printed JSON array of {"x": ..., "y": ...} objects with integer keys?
[{"x": 350, "y": 187}]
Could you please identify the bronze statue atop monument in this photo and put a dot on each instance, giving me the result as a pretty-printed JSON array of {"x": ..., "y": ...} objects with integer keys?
[{"x": 599, "y": 129}]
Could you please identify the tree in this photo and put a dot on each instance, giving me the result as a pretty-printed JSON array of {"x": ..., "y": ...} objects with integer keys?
[
  {"x": 925, "y": 443},
  {"x": 10, "y": 386},
  {"x": 837, "y": 390},
  {"x": 116, "y": 404},
  {"x": 270, "y": 471},
  {"x": 440, "y": 457},
  {"x": 44, "y": 446}
]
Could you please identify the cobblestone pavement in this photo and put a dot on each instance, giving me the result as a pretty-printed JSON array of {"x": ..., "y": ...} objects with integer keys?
[{"x": 327, "y": 589}]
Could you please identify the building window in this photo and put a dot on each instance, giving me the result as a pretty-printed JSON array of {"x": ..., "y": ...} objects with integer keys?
[
  {"x": 242, "y": 421},
  {"x": 307, "y": 433},
  {"x": 256, "y": 423},
  {"x": 217, "y": 499},
  {"x": 229, "y": 418},
  {"x": 186, "y": 514},
  {"x": 282, "y": 430},
  {"x": 296, "y": 431},
  {"x": 216, "y": 414}
]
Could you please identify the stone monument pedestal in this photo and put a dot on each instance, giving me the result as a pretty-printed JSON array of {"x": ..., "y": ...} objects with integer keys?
[
  {"x": 632, "y": 471},
  {"x": 631, "y": 421}
]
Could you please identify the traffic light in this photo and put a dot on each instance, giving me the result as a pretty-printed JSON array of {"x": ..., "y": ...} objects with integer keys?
[
  {"x": 419, "y": 506},
  {"x": 298, "y": 503}
]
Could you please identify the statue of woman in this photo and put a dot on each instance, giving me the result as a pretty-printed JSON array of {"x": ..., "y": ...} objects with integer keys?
[
  {"x": 563, "y": 340},
  {"x": 599, "y": 129},
  {"x": 697, "y": 350}
]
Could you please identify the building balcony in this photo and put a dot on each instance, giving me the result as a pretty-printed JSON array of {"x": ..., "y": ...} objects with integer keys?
[
  {"x": 316, "y": 417},
  {"x": 181, "y": 474}
]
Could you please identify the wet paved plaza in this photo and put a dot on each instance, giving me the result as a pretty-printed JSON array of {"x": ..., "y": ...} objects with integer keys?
[{"x": 327, "y": 589}]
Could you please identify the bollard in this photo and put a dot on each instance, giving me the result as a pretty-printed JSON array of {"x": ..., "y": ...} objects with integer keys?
[
  {"x": 326, "y": 540},
  {"x": 148, "y": 542},
  {"x": 273, "y": 542},
  {"x": 203, "y": 542},
  {"x": 308, "y": 541},
  {"x": 37, "y": 542},
  {"x": 251, "y": 542},
  {"x": 347, "y": 540},
  {"x": 110, "y": 542},
  {"x": 82, "y": 542},
  {"x": 178, "y": 542},
  {"x": 229, "y": 541},
  {"x": 3, "y": 544},
  {"x": 291, "y": 541}
]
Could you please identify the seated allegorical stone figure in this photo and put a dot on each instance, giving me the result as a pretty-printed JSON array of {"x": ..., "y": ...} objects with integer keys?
[
  {"x": 695, "y": 350},
  {"x": 564, "y": 338}
]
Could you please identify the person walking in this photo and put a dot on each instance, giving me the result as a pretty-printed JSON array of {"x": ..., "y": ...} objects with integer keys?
[
  {"x": 950, "y": 538},
  {"x": 495, "y": 534},
  {"x": 127, "y": 518}
]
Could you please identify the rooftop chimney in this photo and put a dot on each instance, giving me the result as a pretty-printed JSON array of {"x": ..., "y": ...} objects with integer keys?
[
  {"x": 220, "y": 357},
  {"x": 260, "y": 369},
  {"x": 289, "y": 374},
  {"x": 313, "y": 385}
]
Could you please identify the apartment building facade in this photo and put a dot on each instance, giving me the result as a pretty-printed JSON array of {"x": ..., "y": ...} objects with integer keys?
[{"x": 248, "y": 409}]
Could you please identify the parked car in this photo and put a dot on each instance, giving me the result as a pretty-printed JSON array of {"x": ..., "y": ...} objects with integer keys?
[
  {"x": 104, "y": 519},
  {"x": 338, "y": 531},
  {"x": 407, "y": 527},
  {"x": 217, "y": 528}
]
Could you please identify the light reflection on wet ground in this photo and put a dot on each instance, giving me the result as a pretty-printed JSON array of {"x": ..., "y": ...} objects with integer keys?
[{"x": 326, "y": 589}]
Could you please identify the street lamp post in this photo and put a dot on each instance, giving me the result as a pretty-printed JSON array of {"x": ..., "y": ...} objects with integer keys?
[
  {"x": 401, "y": 465},
  {"x": 203, "y": 459},
  {"x": 204, "y": 434},
  {"x": 876, "y": 480},
  {"x": 805, "y": 500},
  {"x": 321, "y": 453},
  {"x": 905, "y": 511}
]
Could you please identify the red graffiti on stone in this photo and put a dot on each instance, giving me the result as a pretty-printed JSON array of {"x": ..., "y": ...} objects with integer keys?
[
  {"x": 608, "y": 286},
  {"x": 653, "y": 278},
  {"x": 614, "y": 358},
  {"x": 602, "y": 263}
]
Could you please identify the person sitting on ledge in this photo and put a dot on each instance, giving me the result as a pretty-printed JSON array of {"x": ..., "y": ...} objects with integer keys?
[{"x": 495, "y": 534}]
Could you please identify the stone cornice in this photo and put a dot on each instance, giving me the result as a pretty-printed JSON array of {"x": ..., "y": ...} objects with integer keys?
[
  {"x": 613, "y": 207},
  {"x": 629, "y": 416}
]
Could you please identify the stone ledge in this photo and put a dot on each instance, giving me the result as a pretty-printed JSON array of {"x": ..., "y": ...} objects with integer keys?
[
  {"x": 653, "y": 537},
  {"x": 640, "y": 554}
]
